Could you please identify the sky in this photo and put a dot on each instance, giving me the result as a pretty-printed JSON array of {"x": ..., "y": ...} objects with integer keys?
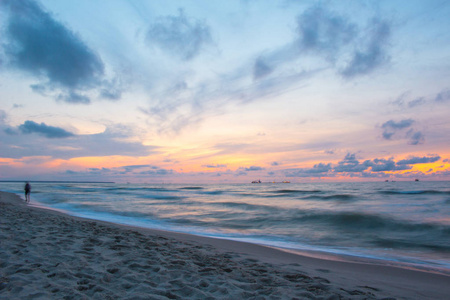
[{"x": 208, "y": 91}]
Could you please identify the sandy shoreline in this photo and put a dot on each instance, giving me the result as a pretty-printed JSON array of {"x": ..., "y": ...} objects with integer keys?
[{"x": 48, "y": 255}]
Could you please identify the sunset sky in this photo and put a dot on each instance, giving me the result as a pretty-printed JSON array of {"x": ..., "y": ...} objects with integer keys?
[{"x": 224, "y": 91}]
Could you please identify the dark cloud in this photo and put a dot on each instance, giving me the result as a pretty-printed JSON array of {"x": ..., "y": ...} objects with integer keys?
[
  {"x": 113, "y": 141},
  {"x": 95, "y": 171},
  {"x": 34, "y": 42},
  {"x": 320, "y": 30},
  {"x": 157, "y": 172},
  {"x": 11, "y": 131},
  {"x": 261, "y": 69},
  {"x": 318, "y": 170},
  {"x": 44, "y": 130},
  {"x": 71, "y": 172},
  {"x": 3, "y": 116},
  {"x": 182, "y": 37},
  {"x": 119, "y": 172},
  {"x": 373, "y": 55},
  {"x": 275, "y": 163},
  {"x": 214, "y": 166},
  {"x": 137, "y": 170},
  {"x": 323, "y": 40},
  {"x": 240, "y": 173},
  {"x": 112, "y": 90},
  {"x": 391, "y": 124},
  {"x": 391, "y": 128},
  {"x": 415, "y": 137},
  {"x": 324, "y": 33},
  {"x": 131, "y": 168},
  {"x": 419, "y": 160},
  {"x": 351, "y": 164},
  {"x": 254, "y": 168},
  {"x": 73, "y": 97},
  {"x": 385, "y": 165},
  {"x": 416, "y": 102},
  {"x": 443, "y": 96},
  {"x": 319, "y": 33}
]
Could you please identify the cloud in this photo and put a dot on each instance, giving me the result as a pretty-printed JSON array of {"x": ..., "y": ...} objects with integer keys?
[
  {"x": 254, "y": 168},
  {"x": 322, "y": 40},
  {"x": 351, "y": 164},
  {"x": 419, "y": 160},
  {"x": 443, "y": 96},
  {"x": 440, "y": 98},
  {"x": 275, "y": 163},
  {"x": 131, "y": 168},
  {"x": 326, "y": 34},
  {"x": 73, "y": 97},
  {"x": 43, "y": 129},
  {"x": 261, "y": 69},
  {"x": 318, "y": 170},
  {"x": 214, "y": 166},
  {"x": 182, "y": 37},
  {"x": 416, "y": 137},
  {"x": 113, "y": 141},
  {"x": 320, "y": 30},
  {"x": 320, "y": 33},
  {"x": 385, "y": 165},
  {"x": 373, "y": 55},
  {"x": 391, "y": 124},
  {"x": 112, "y": 90},
  {"x": 391, "y": 128},
  {"x": 3, "y": 116},
  {"x": 119, "y": 172},
  {"x": 35, "y": 43},
  {"x": 416, "y": 102},
  {"x": 158, "y": 172}
]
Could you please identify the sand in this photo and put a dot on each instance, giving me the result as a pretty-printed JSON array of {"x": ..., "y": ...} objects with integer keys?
[{"x": 48, "y": 255}]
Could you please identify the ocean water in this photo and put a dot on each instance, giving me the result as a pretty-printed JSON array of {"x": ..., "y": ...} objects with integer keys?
[{"x": 404, "y": 223}]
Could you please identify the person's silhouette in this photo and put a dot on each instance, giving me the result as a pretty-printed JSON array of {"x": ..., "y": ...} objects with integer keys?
[{"x": 27, "y": 192}]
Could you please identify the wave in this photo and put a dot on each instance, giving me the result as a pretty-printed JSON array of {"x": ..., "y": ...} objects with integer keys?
[
  {"x": 163, "y": 197},
  {"x": 375, "y": 223},
  {"x": 151, "y": 189},
  {"x": 213, "y": 192},
  {"x": 405, "y": 244},
  {"x": 430, "y": 192},
  {"x": 340, "y": 197},
  {"x": 247, "y": 206},
  {"x": 287, "y": 191},
  {"x": 192, "y": 188}
]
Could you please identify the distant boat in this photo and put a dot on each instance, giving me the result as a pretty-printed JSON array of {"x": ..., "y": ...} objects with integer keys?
[
  {"x": 416, "y": 179},
  {"x": 285, "y": 181},
  {"x": 256, "y": 181}
]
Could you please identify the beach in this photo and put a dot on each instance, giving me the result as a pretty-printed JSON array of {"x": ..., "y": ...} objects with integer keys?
[{"x": 46, "y": 254}]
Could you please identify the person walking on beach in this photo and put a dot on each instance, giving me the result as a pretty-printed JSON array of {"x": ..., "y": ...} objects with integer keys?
[{"x": 27, "y": 192}]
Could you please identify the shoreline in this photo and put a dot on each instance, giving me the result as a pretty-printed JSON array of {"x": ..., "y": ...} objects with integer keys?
[
  {"x": 38, "y": 242},
  {"x": 313, "y": 253}
]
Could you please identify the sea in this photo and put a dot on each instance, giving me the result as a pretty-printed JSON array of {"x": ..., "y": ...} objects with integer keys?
[{"x": 404, "y": 223}]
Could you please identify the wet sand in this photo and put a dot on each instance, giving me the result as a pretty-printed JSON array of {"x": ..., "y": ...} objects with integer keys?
[{"x": 49, "y": 255}]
